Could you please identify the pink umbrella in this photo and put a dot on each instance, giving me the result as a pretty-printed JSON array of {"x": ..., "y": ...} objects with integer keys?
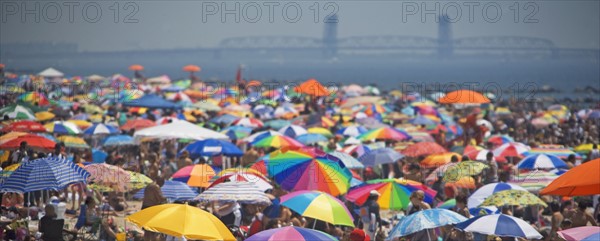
[{"x": 588, "y": 233}]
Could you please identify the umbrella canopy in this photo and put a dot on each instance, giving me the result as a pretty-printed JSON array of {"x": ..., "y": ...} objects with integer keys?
[
  {"x": 380, "y": 156},
  {"x": 436, "y": 160},
  {"x": 348, "y": 160},
  {"x": 182, "y": 220},
  {"x": 484, "y": 192},
  {"x": 277, "y": 141},
  {"x": 24, "y": 126},
  {"x": 191, "y": 68},
  {"x": 44, "y": 115},
  {"x": 212, "y": 147},
  {"x": 579, "y": 181},
  {"x": 587, "y": 233},
  {"x": 138, "y": 180},
  {"x": 152, "y": 101},
  {"x": 179, "y": 130},
  {"x": 108, "y": 175},
  {"x": 17, "y": 112},
  {"x": 137, "y": 124},
  {"x": 394, "y": 193},
  {"x": 541, "y": 161},
  {"x": 248, "y": 122},
  {"x": 513, "y": 149},
  {"x": 241, "y": 192},
  {"x": 318, "y": 205},
  {"x": 99, "y": 128},
  {"x": 195, "y": 176},
  {"x": 291, "y": 234},
  {"x": 464, "y": 97},
  {"x": 561, "y": 152},
  {"x": 292, "y": 130},
  {"x": 35, "y": 142},
  {"x": 320, "y": 130},
  {"x": 312, "y": 87},
  {"x": 311, "y": 138},
  {"x": 304, "y": 169},
  {"x": 243, "y": 176},
  {"x": 463, "y": 169},
  {"x": 426, "y": 219},
  {"x": 49, "y": 173},
  {"x": 136, "y": 67},
  {"x": 500, "y": 225},
  {"x": 384, "y": 133},
  {"x": 118, "y": 140},
  {"x": 73, "y": 142},
  {"x": 534, "y": 181},
  {"x": 172, "y": 190},
  {"x": 513, "y": 198},
  {"x": 63, "y": 127},
  {"x": 423, "y": 149},
  {"x": 353, "y": 131},
  {"x": 98, "y": 156}
]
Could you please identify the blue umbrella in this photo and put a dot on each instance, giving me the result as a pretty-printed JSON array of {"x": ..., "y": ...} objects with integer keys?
[
  {"x": 224, "y": 119},
  {"x": 274, "y": 210},
  {"x": 277, "y": 123},
  {"x": 118, "y": 140},
  {"x": 380, "y": 156},
  {"x": 98, "y": 156},
  {"x": 500, "y": 225},
  {"x": 172, "y": 190},
  {"x": 311, "y": 138},
  {"x": 51, "y": 173},
  {"x": 212, "y": 147},
  {"x": 292, "y": 130},
  {"x": 348, "y": 160},
  {"x": 100, "y": 128},
  {"x": 426, "y": 219},
  {"x": 152, "y": 101},
  {"x": 541, "y": 161},
  {"x": 421, "y": 120}
]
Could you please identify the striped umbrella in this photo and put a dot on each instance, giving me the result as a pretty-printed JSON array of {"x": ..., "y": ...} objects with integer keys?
[
  {"x": 109, "y": 175},
  {"x": 561, "y": 152},
  {"x": 318, "y": 205},
  {"x": 99, "y": 129},
  {"x": 320, "y": 130},
  {"x": 73, "y": 142},
  {"x": 534, "y": 181},
  {"x": 248, "y": 122},
  {"x": 244, "y": 176},
  {"x": 277, "y": 141},
  {"x": 385, "y": 133},
  {"x": 541, "y": 161},
  {"x": 291, "y": 234},
  {"x": 17, "y": 112},
  {"x": 426, "y": 219},
  {"x": 260, "y": 135},
  {"x": 241, "y": 192},
  {"x": 587, "y": 233},
  {"x": 353, "y": 131},
  {"x": 512, "y": 149},
  {"x": 292, "y": 130},
  {"x": 500, "y": 225},
  {"x": 197, "y": 175},
  {"x": 63, "y": 127},
  {"x": 172, "y": 190},
  {"x": 49, "y": 173},
  {"x": 395, "y": 193}
]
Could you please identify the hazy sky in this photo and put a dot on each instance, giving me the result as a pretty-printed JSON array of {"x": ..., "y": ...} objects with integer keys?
[{"x": 174, "y": 24}]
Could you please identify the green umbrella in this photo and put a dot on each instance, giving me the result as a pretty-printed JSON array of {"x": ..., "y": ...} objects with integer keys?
[
  {"x": 16, "y": 111},
  {"x": 463, "y": 169},
  {"x": 513, "y": 198}
]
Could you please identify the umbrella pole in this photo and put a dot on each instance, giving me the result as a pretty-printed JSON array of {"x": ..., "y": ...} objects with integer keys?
[
  {"x": 314, "y": 224},
  {"x": 428, "y": 236}
]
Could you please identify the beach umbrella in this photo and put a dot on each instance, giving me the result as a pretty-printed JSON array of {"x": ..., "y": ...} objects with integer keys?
[
  {"x": 380, "y": 156},
  {"x": 63, "y": 127},
  {"x": 318, "y": 205},
  {"x": 586, "y": 233},
  {"x": 137, "y": 124},
  {"x": 541, "y": 161},
  {"x": 277, "y": 141},
  {"x": 534, "y": 181},
  {"x": 513, "y": 149},
  {"x": 181, "y": 220},
  {"x": 463, "y": 169},
  {"x": 11, "y": 135},
  {"x": 384, "y": 133},
  {"x": 578, "y": 181},
  {"x": 261, "y": 135},
  {"x": 198, "y": 175},
  {"x": 17, "y": 112},
  {"x": 172, "y": 190},
  {"x": 312, "y": 87},
  {"x": 138, "y": 180},
  {"x": 561, "y": 152},
  {"x": 212, "y": 147},
  {"x": 359, "y": 150},
  {"x": 236, "y": 132},
  {"x": 291, "y": 233},
  {"x": 285, "y": 112},
  {"x": 500, "y": 225},
  {"x": 498, "y": 140},
  {"x": 513, "y": 198},
  {"x": 479, "y": 155},
  {"x": 584, "y": 148},
  {"x": 108, "y": 175},
  {"x": 464, "y": 97},
  {"x": 423, "y": 149},
  {"x": 293, "y": 130},
  {"x": 448, "y": 204},
  {"x": 484, "y": 192},
  {"x": 35, "y": 142},
  {"x": 244, "y": 176},
  {"x": 99, "y": 129},
  {"x": 81, "y": 124},
  {"x": 311, "y": 138},
  {"x": 248, "y": 122},
  {"x": 353, "y": 131},
  {"x": 436, "y": 160},
  {"x": 394, "y": 193},
  {"x": 320, "y": 130},
  {"x": 24, "y": 126},
  {"x": 118, "y": 140},
  {"x": 277, "y": 124},
  {"x": 422, "y": 120},
  {"x": 241, "y": 192},
  {"x": 348, "y": 160},
  {"x": 50, "y": 173},
  {"x": 44, "y": 115},
  {"x": 73, "y": 142},
  {"x": 308, "y": 169},
  {"x": 136, "y": 67},
  {"x": 426, "y": 219}
]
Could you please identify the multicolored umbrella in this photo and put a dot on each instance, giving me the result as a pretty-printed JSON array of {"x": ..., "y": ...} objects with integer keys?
[
  {"x": 195, "y": 176},
  {"x": 108, "y": 175},
  {"x": 101, "y": 129},
  {"x": 512, "y": 149},
  {"x": 241, "y": 192},
  {"x": 293, "y": 130},
  {"x": 423, "y": 149},
  {"x": 394, "y": 193},
  {"x": 484, "y": 192},
  {"x": 63, "y": 127},
  {"x": 291, "y": 233},
  {"x": 277, "y": 141},
  {"x": 320, "y": 130},
  {"x": 498, "y": 140},
  {"x": 244, "y": 176},
  {"x": 10, "y": 136},
  {"x": 248, "y": 122},
  {"x": 561, "y": 152},
  {"x": 587, "y": 233},
  {"x": 463, "y": 169},
  {"x": 17, "y": 112},
  {"x": 426, "y": 219},
  {"x": 385, "y": 133},
  {"x": 318, "y": 205},
  {"x": 500, "y": 225},
  {"x": 24, "y": 126},
  {"x": 436, "y": 160},
  {"x": 513, "y": 198},
  {"x": 73, "y": 142},
  {"x": 237, "y": 132},
  {"x": 534, "y": 181},
  {"x": 541, "y": 161},
  {"x": 305, "y": 169}
]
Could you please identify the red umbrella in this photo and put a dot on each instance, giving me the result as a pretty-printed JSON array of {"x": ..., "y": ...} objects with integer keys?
[
  {"x": 136, "y": 67},
  {"x": 24, "y": 126},
  {"x": 35, "y": 142},
  {"x": 191, "y": 68},
  {"x": 137, "y": 124},
  {"x": 423, "y": 149}
]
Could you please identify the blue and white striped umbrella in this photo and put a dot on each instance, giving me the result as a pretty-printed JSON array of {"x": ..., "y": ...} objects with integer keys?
[
  {"x": 172, "y": 190},
  {"x": 426, "y": 219},
  {"x": 51, "y": 173},
  {"x": 484, "y": 192},
  {"x": 541, "y": 161},
  {"x": 500, "y": 225},
  {"x": 99, "y": 128},
  {"x": 353, "y": 131},
  {"x": 292, "y": 131}
]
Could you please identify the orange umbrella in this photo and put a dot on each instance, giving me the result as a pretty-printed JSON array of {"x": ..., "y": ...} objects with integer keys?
[
  {"x": 198, "y": 175},
  {"x": 191, "y": 68},
  {"x": 312, "y": 87},
  {"x": 582, "y": 180},
  {"x": 464, "y": 97},
  {"x": 136, "y": 67},
  {"x": 436, "y": 160},
  {"x": 423, "y": 148}
]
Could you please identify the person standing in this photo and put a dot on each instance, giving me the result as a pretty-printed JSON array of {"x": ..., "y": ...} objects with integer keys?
[
  {"x": 417, "y": 203},
  {"x": 492, "y": 171},
  {"x": 370, "y": 216}
]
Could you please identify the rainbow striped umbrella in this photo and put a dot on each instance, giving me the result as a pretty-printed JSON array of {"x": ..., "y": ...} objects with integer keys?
[
  {"x": 394, "y": 193},
  {"x": 277, "y": 141},
  {"x": 63, "y": 127},
  {"x": 73, "y": 142},
  {"x": 318, "y": 205},
  {"x": 34, "y": 97},
  {"x": 291, "y": 234},
  {"x": 562, "y": 153},
  {"x": 385, "y": 133},
  {"x": 308, "y": 169}
]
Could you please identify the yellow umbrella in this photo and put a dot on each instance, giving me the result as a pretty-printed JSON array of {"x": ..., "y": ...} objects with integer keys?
[
  {"x": 73, "y": 142},
  {"x": 584, "y": 148},
  {"x": 182, "y": 220},
  {"x": 82, "y": 124},
  {"x": 44, "y": 115},
  {"x": 436, "y": 160},
  {"x": 320, "y": 130}
]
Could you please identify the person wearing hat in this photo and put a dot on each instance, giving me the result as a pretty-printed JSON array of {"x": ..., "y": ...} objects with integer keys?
[
  {"x": 359, "y": 235},
  {"x": 369, "y": 214}
]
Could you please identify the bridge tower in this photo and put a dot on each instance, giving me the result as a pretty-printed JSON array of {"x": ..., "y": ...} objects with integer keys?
[
  {"x": 445, "y": 47},
  {"x": 330, "y": 36}
]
